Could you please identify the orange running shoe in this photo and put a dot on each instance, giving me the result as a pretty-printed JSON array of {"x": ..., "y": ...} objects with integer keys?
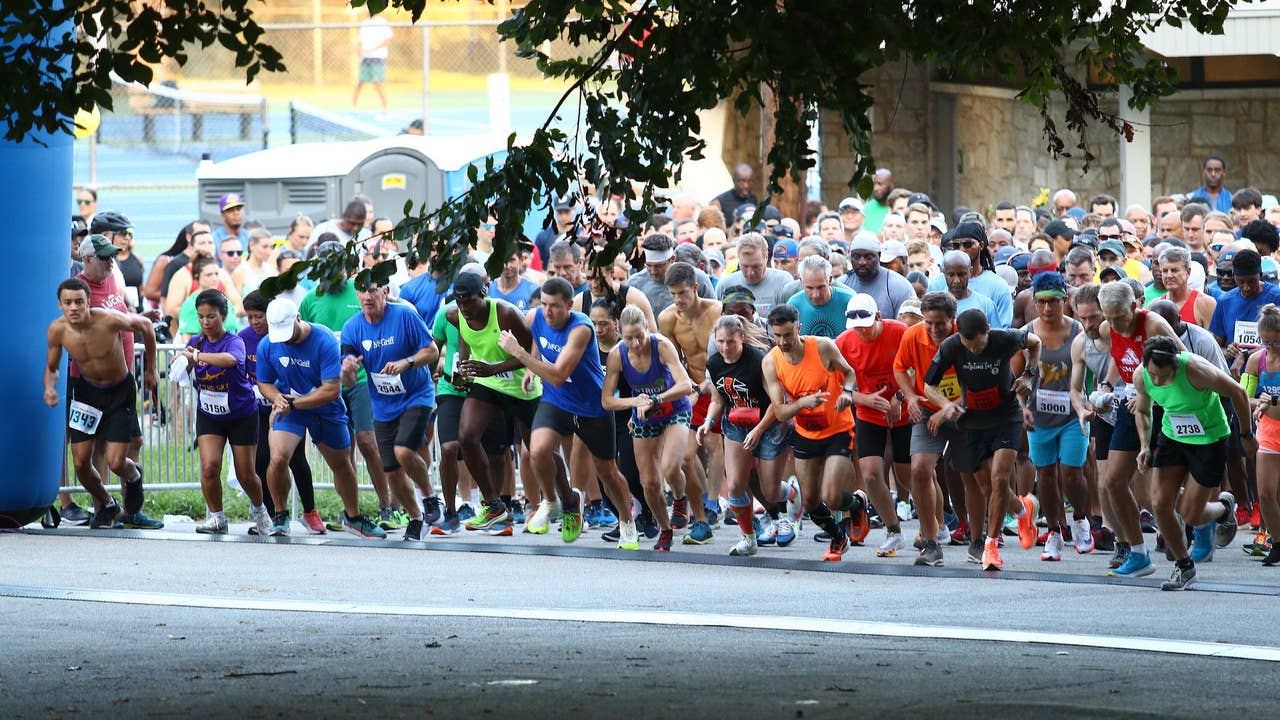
[
  {"x": 838, "y": 547},
  {"x": 991, "y": 556},
  {"x": 859, "y": 521},
  {"x": 1027, "y": 522}
]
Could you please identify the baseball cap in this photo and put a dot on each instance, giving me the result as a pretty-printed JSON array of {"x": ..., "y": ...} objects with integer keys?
[
  {"x": 743, "y": 210},
  {"x": 1077, "y": 212},
  {"x": 838, "y": 246},
  {"x": 470, "y": 283},
  {"x": 783, "y": 231},
  {"x": 1110, "y": 272},
  {"x": 1057, "y": 228},
  {"x": 937, "y": 223},
  {"x": 281, "y": 314},
  {"x": 1089, "y": 239},
  {"x": 785, "y": 249},
  {"x": 1114, "y": 247},
  {"x": 714, "y": 257},
  {"x": 564, "y": 203},
  {"x": 98, "y": 245},
  {"x": 861, "y": 311},
  {"x": 892, "y": 250},
  {"x": 230, "y": 201},
  {"x": 851, "y": 203},
  {"x": 78, "y": 226},
  {"x": 910, "y": 306},
  {"x": 919, "y": 197},
  {"x": 865, "y": 241},
  {"x": 1020, "y": 261},
  {"x": 739, "y": 294},
  {"x": 1003, "y": 255},
  {"x": 1226, "y": 257}
]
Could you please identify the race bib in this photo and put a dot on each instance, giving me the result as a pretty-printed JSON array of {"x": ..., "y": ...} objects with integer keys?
[
  {"x": 950, "y": 386},
  {"x": 812, "y": 420},
  {"x": 84, "y": 418},
  {"x": 262, "y": 399},
  {"x": 214, "y": 403},
  {"x": 980, "y": 400},
  {"x": 1185, "y": 426},
  {"x": 1247, "y": 333},
  {"x": 1053, "y": 402},
  {"x": 387, "y": 384}
]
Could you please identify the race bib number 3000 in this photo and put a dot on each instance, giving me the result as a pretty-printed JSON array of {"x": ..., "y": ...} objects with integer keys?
[{"x": 1053, "y": 402}]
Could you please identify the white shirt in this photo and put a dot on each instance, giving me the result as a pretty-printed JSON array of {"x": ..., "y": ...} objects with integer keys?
[{"x": 373, "y": 36}]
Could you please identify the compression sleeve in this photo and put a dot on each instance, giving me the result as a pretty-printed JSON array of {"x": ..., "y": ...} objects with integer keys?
[{"x": 1249, "y": 382}]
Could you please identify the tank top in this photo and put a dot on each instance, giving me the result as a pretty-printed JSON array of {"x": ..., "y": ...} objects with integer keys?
[
  {"x": 1268, "y": 380},
  {"x": 1191, "y": 415},
  {"x": 624, "y": 388},
  {"x": 806, "y": 378},
  {"x": 1127, "y": 351},
  {"x": 1188, "y": 310},
  {"x": 1099, "y": 363},
  {"x": 484, "y": 347},
  {"x": 652, "y": 382},
  {"x": 1051, "y": 401},
  {"x": 580, "y": 392}
]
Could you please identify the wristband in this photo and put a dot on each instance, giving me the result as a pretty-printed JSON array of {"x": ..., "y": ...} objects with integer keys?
[{"x": 288, "y": 399}]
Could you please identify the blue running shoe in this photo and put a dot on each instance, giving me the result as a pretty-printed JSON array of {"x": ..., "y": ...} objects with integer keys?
[
  {"x": 699, "y": 534},
  {"x": 1202, "y": 544},
  {"x": 647, "y": 525},
  {"x": 1136, "y": 565},
  {"x": 466, "y": 512},
  {"x": 362, "y": 526},
  {"x": 785, "y": 530},
  {"x": 517, "y": 512},
  {"x": 448, "y": 525},
  {"x": 951, "y": 520},
  {"x": 605, "y": 517},
  {"x": 138, "y": 521}
]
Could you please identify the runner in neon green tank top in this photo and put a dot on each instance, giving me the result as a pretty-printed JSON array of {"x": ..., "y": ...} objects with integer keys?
[{"x": 1193, "y": 440}]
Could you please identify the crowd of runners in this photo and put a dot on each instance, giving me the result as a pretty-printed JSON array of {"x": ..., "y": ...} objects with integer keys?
[{"x": 1073, "y": 379}]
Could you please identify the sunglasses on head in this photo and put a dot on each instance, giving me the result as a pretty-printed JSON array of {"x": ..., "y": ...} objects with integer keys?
[{"x": 966, "y": 244}]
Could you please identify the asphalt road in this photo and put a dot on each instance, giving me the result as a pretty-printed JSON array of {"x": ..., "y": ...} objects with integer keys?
[{"x": 169, "y": 624}]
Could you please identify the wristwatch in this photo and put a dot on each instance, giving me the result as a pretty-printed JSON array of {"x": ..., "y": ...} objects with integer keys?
[{"x": 409, "y": 360}]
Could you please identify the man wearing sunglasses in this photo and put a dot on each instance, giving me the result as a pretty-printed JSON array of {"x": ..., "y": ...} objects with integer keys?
[
  {"x": 971, "y": 239},
  {"x": 87, "y": 203},
  {"x": 117, "y": 228},
  {"x": 230, "y": 254}
]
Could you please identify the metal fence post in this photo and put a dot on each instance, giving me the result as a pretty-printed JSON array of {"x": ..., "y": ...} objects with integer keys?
[{"x": 426, "y": 78}]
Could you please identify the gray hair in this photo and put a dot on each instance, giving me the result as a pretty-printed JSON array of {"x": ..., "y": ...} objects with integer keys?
[
  {"x": 690, "y": 253},
  {"x": 561, "y": 248},
  {"x": 1079, "y": 255},
  {"x": 839, "y": 262},
  {"x": 829, "y": 215},
  {"x": 956, "y": 256},
  {"x": 816, "y": 264},
  {"x": 816, "y": 244},
  {"x": 1115, "y": 295},
  {"x": 1176, "y": 255}
]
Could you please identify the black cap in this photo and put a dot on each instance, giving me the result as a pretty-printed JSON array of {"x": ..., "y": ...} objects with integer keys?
[
  {"x": 470, "y": 283},
  {"x": 1087, "y": 238},
  {"x": 739, "y": 294},
  {"x": 1247, "y": 262},
  {"x": 919, "y": 197},
  {"x": 782, "y": 231},
  {"x": 1057, "y": 228},
  {"x": 966, "y": 230}
]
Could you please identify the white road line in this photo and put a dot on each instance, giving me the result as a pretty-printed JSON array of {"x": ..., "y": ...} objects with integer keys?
[{"x": 646, "y": 617}]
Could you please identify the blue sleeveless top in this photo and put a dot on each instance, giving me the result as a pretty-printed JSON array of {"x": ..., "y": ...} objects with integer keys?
[
  {"x": 653, "y": 382},
  {"x": 1268, "y": 381},
  {"x": 580, "y": 393}
]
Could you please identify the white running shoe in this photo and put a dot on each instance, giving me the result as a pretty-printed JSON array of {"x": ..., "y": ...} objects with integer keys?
[
  {"x": 628, "y": 538},
  {"x": 262, "y": 522},
  {"x": 893, "y": 542},
  {"x": 904, "y": 510},
  {"x": 214, "y": 526},
  {"x": 746, "y": 546},
  {"x": 944, "y": 535},
  {"x": 768, "y": 533},
  {"x": 1082, "y": 536},
  {"x": 784, "y": 532},
  {"x": 540, "y": 522},
  {"x": 1052, "y": 547}
]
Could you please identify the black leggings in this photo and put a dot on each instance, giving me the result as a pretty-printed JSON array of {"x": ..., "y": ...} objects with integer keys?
[
  {"x": 297, "y": 464},
  {"x": 627, "y": 466}
]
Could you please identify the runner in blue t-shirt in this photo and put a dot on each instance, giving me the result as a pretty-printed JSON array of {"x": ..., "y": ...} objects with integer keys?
[
  {"x": 298, "y": 373},
  {"x": 571, "y": 393},
  {"x": 396, "y": 350},
  {"x": 512, "y": 287}
]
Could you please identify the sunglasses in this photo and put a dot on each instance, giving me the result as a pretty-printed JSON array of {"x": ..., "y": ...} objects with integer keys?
[
  {"x": 290, "y": 255},
  {"x": 1109, "y": 237},
  {"x": 488, "y": 226},
  {"x": 859, "y": 314},
  {"x": 965, "y": 244},
  {"x": 232, "y": 253},
  {"x": 82, "y": 201}
]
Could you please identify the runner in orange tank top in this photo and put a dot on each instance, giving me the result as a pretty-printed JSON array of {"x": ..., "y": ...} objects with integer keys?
[{"x": 810, "y": 382}]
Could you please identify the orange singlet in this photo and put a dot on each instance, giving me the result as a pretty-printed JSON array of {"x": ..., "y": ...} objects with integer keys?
[{"x": 807, "y": 378}]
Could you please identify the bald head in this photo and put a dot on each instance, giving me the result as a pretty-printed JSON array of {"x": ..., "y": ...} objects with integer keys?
[
  {"x": 1041, "y": 258},
  {"x": 1167, "y": 310},
  {"x": 957, "y": 259}
]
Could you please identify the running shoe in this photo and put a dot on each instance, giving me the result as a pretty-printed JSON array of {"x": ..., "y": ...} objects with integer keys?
[
  {"x": 930, "y": 556},
  {"x": 605, "y": 517},
  {"x": 1104, "y": 538},
  {"x": 261, "y": 522},
  {"x": 1135, "y": 565},
  {"x": 1202, "y": 543},
  {"x": 712, "y": 510},
  {"x": 75, "y": 515},
  {"x": 859, "y": 525},
  {"x": 1027, "y": 522},
  {"x": 1119, "y": 554},
  {"x": 490, "y": 514},
  {"x": 517, "y": 512},
  {"x": 1052, "y": 547},
  {"x": 335, "y": 525},
  {"x": 1260, "y": 546},
  {"x": 628, "y": 538},
  {"x": 646, "y": 525},
  {"x": 680, "y": 514},
  {"x": 1227, "y": 526},
  {"x": 795, "y": 504},
  {"x": 991, "y": 555},
  {"x": 591, "y": 513},
  {"x": 466, "y": 512},
  {"x": 905, "y": 511},
  {"x": 362, "y": 526},
  {"x": 138, "y": 521},
  {"x": 213, "y": 525},
  {"x": 839, "y": 545},
  {"x": 1255, "y": 517},
  {"x": 1010, "y": 526},
  {"x": 975, "y": 551},
  {"x": 432, "y": 509},
  {"x": 540, "y": 521},
  {"x": 1147, "y": 521},
  {"x": 699, "y": 534},
  {"x": 313, "y": 523},
  {"x": 893, "y": 542},
  {"x": 391, "y": 518},
  {"x": 1273, "y": 556},
  {"x": 1180, "y": 579},
  {"x": 874, "y": 521},
  {"x": 744, "y": 547},
  {"x": 413, "y": 531},
  {"x": 918, "y": 543},
  {"x": 1242, "y": 515},
  {"x": 767, "y": 534},
  {"x": 106, "y": 517},
  {"x": 1082, "y": 537},
  {"x": 950, "y": 519},
  {"x": 786, "y": 533},
  {"x": 730, "y": 517},
  {"x": 279, "y": 525},
  {"x": 613, "y": 535},
  {"x": 571, "y": 525},
  {"x": 960, "y": 535},
  {"x": 502, "y": 529},
  {"x": 448, "y": 525},
  {"x": 664, "y": 541}
]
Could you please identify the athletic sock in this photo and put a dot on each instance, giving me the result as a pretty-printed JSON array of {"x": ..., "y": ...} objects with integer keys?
[
  {"x": 221, "y": 515},
  {"x": 506, "y": 500},
  {"x": 894, "y": 529},
  {"x": 1139, "y": 549},
  {"x": 255, "y": 509},
  {"x": 821, "y": 515},
  {"x": 851, "y": 503},
  {"x": 742, "y": 513}
]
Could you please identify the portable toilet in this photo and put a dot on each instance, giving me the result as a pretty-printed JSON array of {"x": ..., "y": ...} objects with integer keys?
[{"x": 318, "y": 179}]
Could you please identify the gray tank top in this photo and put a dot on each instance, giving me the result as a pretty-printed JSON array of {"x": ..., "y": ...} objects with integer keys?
[
  {"x": 1099, "y": 363},
  {"x": 1051, "y": 402}
]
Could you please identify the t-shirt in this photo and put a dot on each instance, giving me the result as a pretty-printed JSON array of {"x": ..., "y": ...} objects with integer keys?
[
  {"x": 991, "y": 285},
  {"x": 224, "y": 393},
  {"x": 299, "y": 368},
  {"x": 332, "y": 310},
  {"x": 976, "y": 301},
  {"x": 888, "y": 288},
  {"x": 1221, "y": 204},
  {"x": 826, "y": 321},
  {"x": 443, "y": 331},
  {"x": 1235, "y": 319},
  {"x": 1200, "y": 342},
  {"x": 251, "y": 342},
  {"x": 770, "y": 291},
  {"x": 519, "y": 296},
  {"x": 421, "y": 292},
  {"x": 740, "y": 384},
  {"x": 730, "y": 201},
  {"x": 580, "y": 392},
  {"x": 372, "y": 34},
  {"x": 986, "y": 379},
  {"x": 873, "y": 213},
  {"x": 398, "y": 335},
  {"x": 915, "y": 354},
  {"x": 872, "y": 364},
  {"x": 189, "y": 318},
  {"x": 658, "y": 294}
]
